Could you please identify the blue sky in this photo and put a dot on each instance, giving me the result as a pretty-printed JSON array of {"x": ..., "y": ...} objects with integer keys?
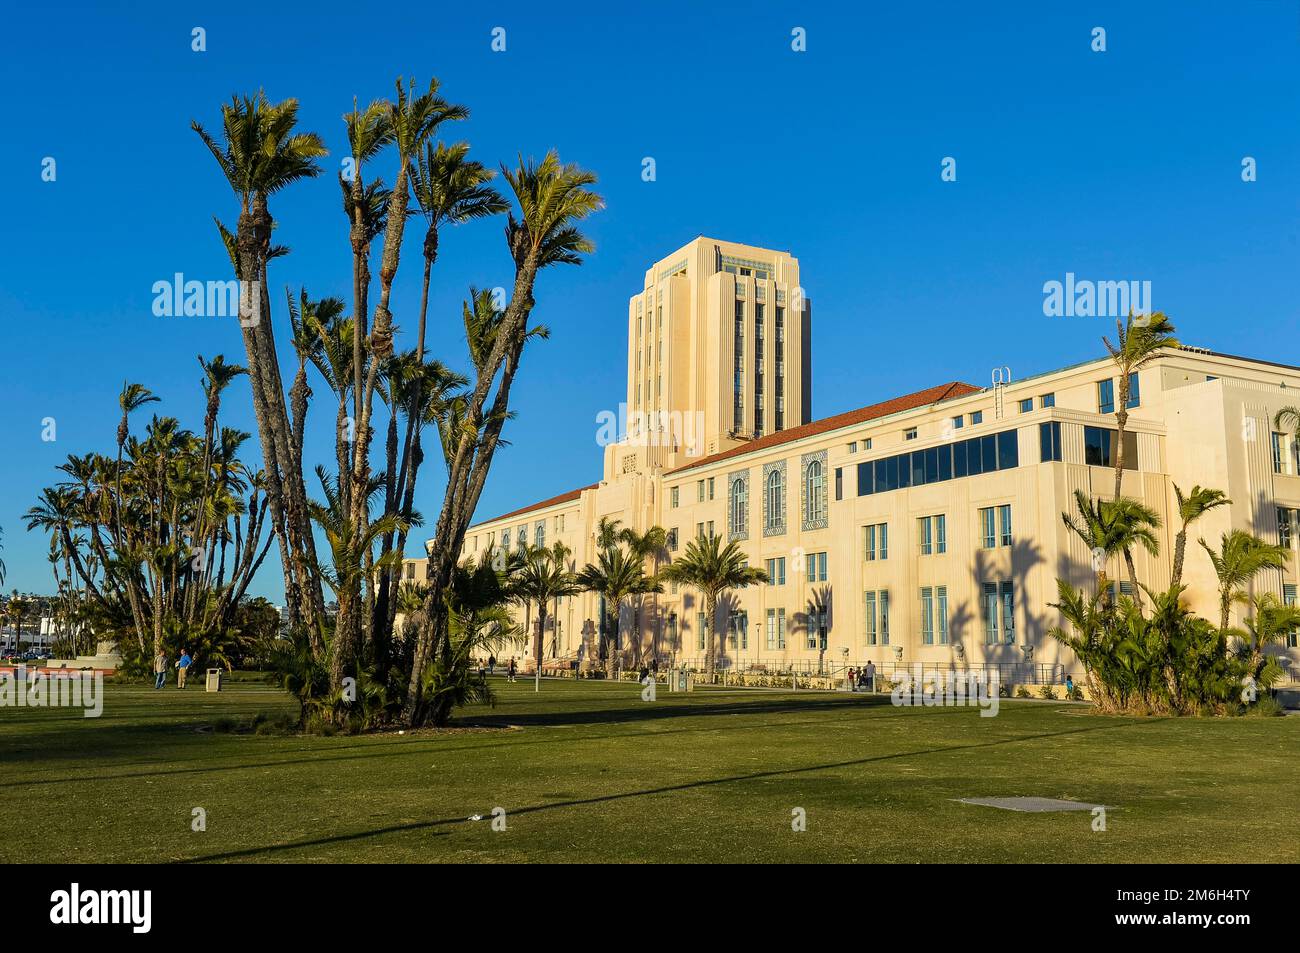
[{"x": 1117, "y": 165}]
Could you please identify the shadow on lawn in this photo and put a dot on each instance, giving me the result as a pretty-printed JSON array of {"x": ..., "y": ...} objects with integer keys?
[{"x": 430, "y": 826}]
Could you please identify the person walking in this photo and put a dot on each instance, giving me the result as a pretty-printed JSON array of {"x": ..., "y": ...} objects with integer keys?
[
  {"x": 871, "y": 675},
  {"x": 492, "y": 664},
  {"x": 510, "y": 672},
  {"x": 1069, "y": 686},
  {"x": 159, "y": 670},
  {"x": 183, "y": 667}
]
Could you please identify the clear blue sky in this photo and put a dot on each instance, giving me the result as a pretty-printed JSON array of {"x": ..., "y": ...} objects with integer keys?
[{"x": 1115, "y": 165}]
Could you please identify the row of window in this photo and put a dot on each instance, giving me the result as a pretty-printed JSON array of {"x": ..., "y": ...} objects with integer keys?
[
  {"x": 997, "y": 617},
  {"x": 946, "y": 462}
]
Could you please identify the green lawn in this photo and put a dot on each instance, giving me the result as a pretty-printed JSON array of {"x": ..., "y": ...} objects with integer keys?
[{"x": 589, "y": 772}]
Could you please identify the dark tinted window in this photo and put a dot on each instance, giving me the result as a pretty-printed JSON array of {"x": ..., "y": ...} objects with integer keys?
[
  {"x": 1049, "y": 441},
  {"x": 1008, "y": 450}
]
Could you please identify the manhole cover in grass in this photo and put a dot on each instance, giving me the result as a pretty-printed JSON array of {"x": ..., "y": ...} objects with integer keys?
[{"x": 1030, "y": 805}]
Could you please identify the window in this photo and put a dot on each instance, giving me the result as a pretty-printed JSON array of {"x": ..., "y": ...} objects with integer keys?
[
  {"x": 1134, "y": 394},
  {"x": 875, "y": 542},
  {"x": 977, "y": 418},
  {"x": 1286, "y": 521},
  {"x": 505, "y": 541},
  {"x": 1027, "y": 405},
  {"x": 521, "y": 538},
  {"x": 1106, "y": 396},
  {"x": 539, "y": 533},
  {"x": 1099, "y": 447},
  {"x": 909, "y": 433},
  {"x": 710, "y": 487},
  {"x": 1279, "y": 452},
  {"x": 876, "y": 617},
  {"x": 776, "y": 500},
  {"x": 739, "y": 507},
  {"x": 672, "y": 540},
  {"x": 884, "y": 616},
  {"x": 1289, "y": 597},
  {"x": 958, "y": 422},
  {"x": 932, "y": 535},
  {"x": 988, "y": 534},
  {"x": 738, "y": 629},
  {"x": 1047, "y": 400},
  {"x": 699, "y": 530},
  {"x": 700, "y": 634},
  {"x": 927, "y": 615},
  {"x": 941, "y": 595},
  {"x": 711, "y": 533},
  {"x": 776, "y": 629},
  {"x": 814, "y": 492},
  {"x": 989, "y": 612},
  {"x": 559, "y": 523},
  {"x": 410, "y": 570},
  {"x": 1049, "y": 441},
  {"x": 1008, "y": 613},
  {"x": 817, "y": 629},
  {"x": 853, "y": 446},
  {"x": 1004, "y": 524},
  {"x": 867, "y": 445},
  {"x": 839, "y": 483},
  {"x": 816, "y": 563},
  {"x": 674, "y": 497},
  {"x": 699, "y": 491},
  {"x": 776, "y": 571},
  {"x": 869, "y": 615}
]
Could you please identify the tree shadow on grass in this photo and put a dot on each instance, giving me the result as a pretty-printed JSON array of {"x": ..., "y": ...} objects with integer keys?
[{"x": 431, "y": 826}]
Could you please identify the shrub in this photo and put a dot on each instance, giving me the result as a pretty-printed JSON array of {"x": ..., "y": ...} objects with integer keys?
[
  {"x": 1022, "y": 692},
  {"x": 1047, "y": 692}
]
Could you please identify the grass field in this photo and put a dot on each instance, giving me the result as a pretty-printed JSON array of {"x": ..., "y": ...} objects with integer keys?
[{"x": 589, "y": 772}]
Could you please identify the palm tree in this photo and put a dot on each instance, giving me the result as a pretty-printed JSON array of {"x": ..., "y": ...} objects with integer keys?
[
  {"x": 1191, "y": 508},
  {"x": 649, "y": 545},
  {"x": 544, "y": 575},
  {"x": 261, "y": 155},
  {"x": 1134, "y": 524},
  {"x": 552, "y": 199},
  {"x": 615, "y": 575},
  {"x": 712, "y": 569},
  {"x": 132, "y": 398},
  {"x": 1137, "y": 345},
  {"x": 1097, "y": 525},
  {"x": 1270, "y": 621},
  {"x": 1239, "y": 559}
]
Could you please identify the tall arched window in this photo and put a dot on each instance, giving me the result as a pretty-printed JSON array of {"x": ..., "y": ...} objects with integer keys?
[
  {"x": 814, "y": 503},
  {"x": 775, "y": 499},
  {"x": 739, "y": 506}
]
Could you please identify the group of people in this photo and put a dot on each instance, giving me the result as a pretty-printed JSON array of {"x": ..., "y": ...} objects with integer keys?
[
  {"x": 160, "y": 669},
  {"x": 490, "y": 668},
  {"x": 863, "y": 678}
]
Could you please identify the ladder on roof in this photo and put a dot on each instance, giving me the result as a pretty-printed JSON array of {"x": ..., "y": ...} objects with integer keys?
[{"x": 1001, "y": 378}]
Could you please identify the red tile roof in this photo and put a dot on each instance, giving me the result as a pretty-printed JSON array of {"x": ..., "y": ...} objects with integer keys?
[
  {"x": 562, "y": 498},
  {"x": 922, "y": 398}
]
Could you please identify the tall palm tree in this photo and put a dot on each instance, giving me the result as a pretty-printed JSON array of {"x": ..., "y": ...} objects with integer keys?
[
  {"x": 1136, "y": 345},
  {"x": 552, "y": 199},
  {"x": 544, "y": 575},
  {"x": 1239, "y": 559},
  {"x": 1095, "y": 526},
  {"x": 649, "y": 545},
  {"x": 262, "y": 154},
  {"x": 712, "y": 569},
  {"x": 1191, "y": 508},
  {"x": 616, "y": 575}
]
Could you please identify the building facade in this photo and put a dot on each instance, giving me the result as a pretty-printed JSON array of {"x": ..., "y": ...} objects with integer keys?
[{"x": 923, "y": 528}]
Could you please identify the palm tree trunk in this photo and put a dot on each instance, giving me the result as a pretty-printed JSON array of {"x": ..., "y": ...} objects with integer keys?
[
  {"x": 541, "y": 632},
  {"x": 1121, "y": 422},
  {"x": 1180, "y": 548},
  {"x": 711, "y": 614}
]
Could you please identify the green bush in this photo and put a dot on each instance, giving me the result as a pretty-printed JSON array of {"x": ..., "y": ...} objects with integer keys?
[
  {"x": 1047, "y": 692},
  {"x": 1022, "y": 692}
]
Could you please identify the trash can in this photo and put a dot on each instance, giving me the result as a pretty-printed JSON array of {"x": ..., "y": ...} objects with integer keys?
[{"x": 214, "y": 680}]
